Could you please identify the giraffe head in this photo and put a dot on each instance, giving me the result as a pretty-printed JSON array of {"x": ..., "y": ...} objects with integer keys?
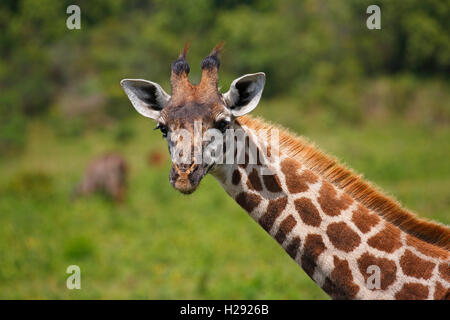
[{"x": 194, "y": 114}]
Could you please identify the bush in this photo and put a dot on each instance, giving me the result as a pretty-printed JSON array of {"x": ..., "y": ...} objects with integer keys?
[
  {"x": 31, "y": 184},
  {"x": 13, "y": 131}
]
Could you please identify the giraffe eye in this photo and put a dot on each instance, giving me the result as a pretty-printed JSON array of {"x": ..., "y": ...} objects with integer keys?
[
  {"x": 222, "y": 125},
  {"x": 163, "y": 129}
]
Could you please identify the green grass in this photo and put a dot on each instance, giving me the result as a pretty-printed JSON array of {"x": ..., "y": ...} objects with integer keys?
[{"x": 160, "y": 244}]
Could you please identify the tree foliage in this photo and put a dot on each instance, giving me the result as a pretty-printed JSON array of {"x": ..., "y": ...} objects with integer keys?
[{"x": 307, "y": 48}]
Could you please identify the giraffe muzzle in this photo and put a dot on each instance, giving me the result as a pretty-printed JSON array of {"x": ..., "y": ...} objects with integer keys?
[{"x": 186, "y": 178}]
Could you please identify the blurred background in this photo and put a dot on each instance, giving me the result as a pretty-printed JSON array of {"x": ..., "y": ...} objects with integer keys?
[{"x": 377, "y": 99}]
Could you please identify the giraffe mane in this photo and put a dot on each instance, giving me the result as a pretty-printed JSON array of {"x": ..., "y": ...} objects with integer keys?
[{"x": 354, "y": 185}]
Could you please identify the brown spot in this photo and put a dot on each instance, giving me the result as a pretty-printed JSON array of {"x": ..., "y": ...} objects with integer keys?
[
  {"x": 444, "y": 271},
  {"x": 246, "y": 161},
  {"x": 314, "y": 246},
  {"x": 340, "y": 284},
  {"x": 236, "y": 177},
  {"x": 412, "y": 291},
  {"x": 330, "y": 203},
  {"x": 387, "y": 240},
  {"x": 244, "y": 150},
  {"x": 269, "y": 150},
  {"x": 272, "y": 183},
  {"x": 308, "y": 212},
  {"x": 388, "y": 269},
  {"x": 342, "y": 236},
  {"x": 296, "y": 182},
  {"x": 416, "y": 267},
  {"x": 248, "y": 201},
  {"x": 440, "y": 292},
  {"x": 426, "y": 248},
  {"x": 259, "y": 160},
  {"x": 274, "y": 209},
  {"x": 293, "y": 246},
  {"x": 285, "y": 227},
  {"x": 156, "y": 158},
  {"x": 364, "y": 219},
  {"x": 253, "y": 182}
]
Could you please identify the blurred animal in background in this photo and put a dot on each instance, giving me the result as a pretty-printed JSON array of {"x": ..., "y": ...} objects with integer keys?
[
  {"x": 156, "y": 158},
  {"x": 105, "y": 174}
]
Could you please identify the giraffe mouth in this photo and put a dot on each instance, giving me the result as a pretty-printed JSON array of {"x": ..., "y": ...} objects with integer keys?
[{"x": 186, "y": 180}]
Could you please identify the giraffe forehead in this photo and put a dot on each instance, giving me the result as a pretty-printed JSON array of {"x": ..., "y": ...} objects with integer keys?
[
  {"x": 185, "y": 115},
  {"x": 186, "y": 112}
]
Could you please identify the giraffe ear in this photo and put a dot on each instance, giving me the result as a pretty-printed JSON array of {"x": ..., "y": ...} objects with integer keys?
[
  {"x": 147, "y": 97},
  {"x": 244, "y": 93}
]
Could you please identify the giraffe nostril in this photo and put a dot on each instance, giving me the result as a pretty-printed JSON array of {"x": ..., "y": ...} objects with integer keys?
[{"x": 182, "y": 167}]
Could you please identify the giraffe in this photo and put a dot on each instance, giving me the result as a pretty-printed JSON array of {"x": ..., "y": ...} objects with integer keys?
[{"x": 350, "y": 239}]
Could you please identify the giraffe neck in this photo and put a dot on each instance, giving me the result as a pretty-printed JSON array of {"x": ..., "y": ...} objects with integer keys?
[{"x": 348, "y": 250}]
